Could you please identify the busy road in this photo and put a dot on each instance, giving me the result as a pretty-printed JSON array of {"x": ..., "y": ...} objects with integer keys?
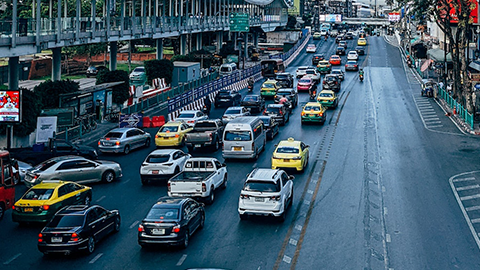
[{"x": 375, "y": 194}]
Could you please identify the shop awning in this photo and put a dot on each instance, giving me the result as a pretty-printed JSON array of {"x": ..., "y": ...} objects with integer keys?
[
  {"x": 475, "y": 65},
  {"x": 438, "y": 55}
]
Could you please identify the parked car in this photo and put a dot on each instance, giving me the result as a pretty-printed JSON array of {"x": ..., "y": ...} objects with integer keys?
[
  {"x": 205, "y": 133},
  {"x": 279, "y": 112},
  {"x": 289, "y": 93},
  {"x": 339, "y": 73},
  {"x": 138, "y": 74},
  {"x": 352, "y": 55},
  {"x": 271, "y": 126},
  {"x": 234, "y": 112},
  {"x": 162, "y": 164},
  {"x": 331, "y": 82},
  {"x": 316, "y": 58},
  {"x": 92, "y": 71},
  {"x": 340, "y": 50},
  {"x": 173, "y": 133},
  {"x": 258, "y": 190},
  {"x": 360, "y": 50},
  {"x": 123, "y": 140},
  {"x": 255, "y": 103},
  {"x": 301, "y": 71},
  {"x": 190, "y": 117},
  {"x": 171, "y": 221},
  {"x": 76, "y": 228},
  {"x": 284, "y": 79},
  {"x": 351, "y": 66},
  {"x": 227, "y": 97},
  {"x": 305, "y": 84},
  {"x": 73, "y": 168}
]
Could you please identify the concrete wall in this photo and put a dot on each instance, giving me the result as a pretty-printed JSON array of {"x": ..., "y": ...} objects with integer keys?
[{"x": 283, "y": 36}]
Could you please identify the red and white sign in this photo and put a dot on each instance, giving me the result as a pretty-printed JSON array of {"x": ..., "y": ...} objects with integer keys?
[
  {"x": 393, "y": 16},
  {"x": 9, "y": 106}
]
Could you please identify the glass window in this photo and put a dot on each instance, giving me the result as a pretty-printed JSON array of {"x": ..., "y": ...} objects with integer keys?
[
  {"x": 205, "y": 126},
  {"x": 67, "y": 165},
  {"x": 62, "y": 191},
  {"x": 238, "y": 135},
  {"x": 66, "y": 221},
  {"x": 186, "y": 115},
  {"x": 250, "y": 98},
  {"x": 169, "y": 129},
  {"x": 284, "y": 178},
  {"x": 159, "y": 213},
  {"x": 158, "y": 158},
  {"x": 69, "y": 188},
  {"x": 257, "y": 131},
  {"x": 91, "y": 216},
  {"x": 84, "y": 164},
  {"x": 287, "y": 150},
  {"x": 45, "y": 165},
  {"x": 100, "y": 212},
  {"x": 261, "y": 186},
  {"x": 131, "y": 133},
  {"x": 312, "y": 108},
  {"x": 274, "y": 110},
  {"x": 114, "y": 135},
  {"x": 326, "y": 95},
  {"x": 218, "y": 164},
  {"x": 38, "y": 194},
  {"x": 233, "y": 111},
  {"x": 63, "y": 146},
  {"x": 304, "y": 81}
]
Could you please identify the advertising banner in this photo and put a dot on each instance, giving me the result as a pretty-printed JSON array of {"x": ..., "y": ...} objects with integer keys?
[
  {"x": 394, "y": 16},
  {"x": 46, "y": 126},
  {"x": 333, "y": 18},
  {"x": 10, "y": 106}
]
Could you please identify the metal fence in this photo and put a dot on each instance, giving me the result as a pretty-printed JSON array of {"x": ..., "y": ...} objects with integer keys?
[{"x": 459, "y": 109}]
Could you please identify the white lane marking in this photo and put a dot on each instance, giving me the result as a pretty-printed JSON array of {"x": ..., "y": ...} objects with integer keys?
[
  {"x": 464, "y": 179},
  {"x": 134, "y": 224},
  {"x": 431, "y": 118},
  {"x": 293, "y": 242},
  {"x": 126, "y": 181},
  {"x": 388, "y": 237},
  {"x": 255, "y": 165},
  {"x": 298, "y": 227},
  {"x": 471, "y": 197},
  {"x": 429, "y": 113},
  {"x": 383, "y": 189},
  {"x": 468, "y": 187},
  {"x": 306, "y": 202},
  {"x": 425, "y": 110},
  {"x": 476, "y": 220},
  {"x": 182, "y": 259},
  {"x": 435, "y": 126},
  {"x": 12, "y": 259},
  {"x": 385, "y": 210},
  {"x": 310, "y": 191},
  {"x": 473, "y": 208},
  {"x": 101, "y": 198},
  {"x": 422, "y": 106},
  {"x": 96, "y": 258},
  {"x": 433, "y": 122},
  {"x": 287, "y": 259}
]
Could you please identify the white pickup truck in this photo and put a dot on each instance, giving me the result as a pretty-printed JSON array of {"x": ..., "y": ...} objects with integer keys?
[{"x": 199, "y": 179}]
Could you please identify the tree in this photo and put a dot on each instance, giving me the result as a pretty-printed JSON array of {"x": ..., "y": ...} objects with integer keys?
[
  {"x": 49, "y": 92},
  {"x": 89, "y": 50},
  {"x": 31, "y": 108},
  {"x": 119, "y": 92},
  {"x": 227, "y": 49},
  {"x": 159, "y": 69},
  {"x": 292, "y": 22}
]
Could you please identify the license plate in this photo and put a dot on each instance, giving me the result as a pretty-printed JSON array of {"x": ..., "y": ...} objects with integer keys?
[
  {"x": 28, "y": 210},
  {"x": 286, "y": 160},
  {"x": 155, "y": 172},
  {"x": 257, "y": 199},
  {"x": 312, "y": 115},
  {"x": 158, "y": 231},
  {"x": 107, "y": 144},
  {"x": 166, "y": 138},
  {"x": 237, "y": 148},
  {"x": 198, "y": 145},
  {"x": 56, "y": 239}
]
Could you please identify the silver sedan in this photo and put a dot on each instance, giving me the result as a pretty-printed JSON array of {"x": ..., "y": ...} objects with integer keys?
[
  {"x": 73, "y": 168},
  {"x": 122, "y": 140}
]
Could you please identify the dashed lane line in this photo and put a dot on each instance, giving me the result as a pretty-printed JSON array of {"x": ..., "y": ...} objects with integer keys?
[
  {"x": 12, "y": 259},
  {"x": 134, "y": 224},
  {"x": 101, "y": 198},
  {"x": 182, "y": 259},
  {"x": 464, "y": 179},
  {"x": 96, "y": 258},
  {"x": 473, "y": 208},
  {"x": 471, "y": 197}
]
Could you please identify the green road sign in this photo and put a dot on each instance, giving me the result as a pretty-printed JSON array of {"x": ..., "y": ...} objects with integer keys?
[{"x": 239, "y": 22}]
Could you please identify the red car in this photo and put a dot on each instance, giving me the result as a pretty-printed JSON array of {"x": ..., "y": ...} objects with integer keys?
[
  {"x": 305, "y": 84},
  {"x": 335, "y": 60}
]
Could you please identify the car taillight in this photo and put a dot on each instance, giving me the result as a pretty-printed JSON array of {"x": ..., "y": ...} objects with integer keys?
[
  {"x": 296, "y": 158},
  {"x": 117, "y": 143},
  {"x": 210, "y": 136},
  {"x": 204, "y": 187},
  {"x": 176, "y": 229},
  {"x": 40, "y": 237},
  {"x": 303, "y": 113},
  {"x": 321, "y": 114},
  {"x": 74, "y": 237},
  {"x": 140, "y": 228},
  {"x": 281, "y": 113},
  {"x": 98, "y": 142},
  {"x": 45, "y": 207},
  {"x": 275, "y": 198},
  {"x": 244, "y": 196},
  {"x": 176, "y": 135},
  {"x": 191, "y": 121},
  {"x": 156, "y": 136},
  {"x": 265, "y": 111},
  {"x": 168, "y": 186},
  {"x": 355, "y": 65}
]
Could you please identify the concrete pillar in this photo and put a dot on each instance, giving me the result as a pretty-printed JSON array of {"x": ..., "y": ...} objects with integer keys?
[
  {"x": 14, "y": 24},
  {"x": 78, "y": 14},
  {"x": 183, "y": 44},
  {"x": 245, "y": 47},
  {"x": 93, "y": 15},
  {"x": 199, "y": 41},
  {"x": 255, "y": 40},
  {"x": 113, "y": 55},
  {"x": 56, "y": 64},
  {"x": 160, "y": 48},
  {"x": 122, "y": 17},
  {"x": 59, "y": 20},
  {"x": 38, "y": 24},
  {"x": 13, "y": 72},
  {"x": 219, "y": 40}
]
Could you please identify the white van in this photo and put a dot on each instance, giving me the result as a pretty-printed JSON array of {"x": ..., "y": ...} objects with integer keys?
[
  {"x": 227, "y": 69},
  {"x": 244, "y": 137}
]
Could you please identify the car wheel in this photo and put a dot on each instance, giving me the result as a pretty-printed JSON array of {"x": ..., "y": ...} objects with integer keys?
[
  {"x": 144, "y": 180},
  {"x": 186, "y": 239},
  {"x": 126, "y": 150},
  {"x": 283, "y": 216},
  {"x": 202, "y": 221},
  {"x": 211, "y": 196},
  {"x": 217, "y": 144},
  {"x": 290, "y": 199},
  {"x": 147, "y": 143},
  {"x": 90, "y": 245},
  {"x": 224, "y": 183},
  {"x": 87, "y": 200},
  {"x": 108, "y": 177},
  {"x": 243, "y": 216},
  {"x": 117, "y": 224},
  {"x": 2, "y": 211}
]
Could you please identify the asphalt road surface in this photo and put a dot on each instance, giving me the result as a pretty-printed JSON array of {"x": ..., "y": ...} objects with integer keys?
[{"x": 377, "y": 192}]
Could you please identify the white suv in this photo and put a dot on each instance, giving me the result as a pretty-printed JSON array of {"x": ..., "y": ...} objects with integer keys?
[
  {"x": 302, "y": 70},
  {"x": 266, "y": 192},
  {"x": 352, "y": 55}
]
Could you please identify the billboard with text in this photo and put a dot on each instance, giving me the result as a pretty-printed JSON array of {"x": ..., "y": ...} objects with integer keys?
[
  {"x": 10, "y": 106},
  {"x": 333, "y": 18}
]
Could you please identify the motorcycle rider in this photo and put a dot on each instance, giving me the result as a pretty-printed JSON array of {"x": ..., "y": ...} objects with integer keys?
[
  {"x": 207, "y": 103},
  {"x": 251, "y": 81},
  {"x": 283, "y": 100},
  {"x": 360, "y": 74}
]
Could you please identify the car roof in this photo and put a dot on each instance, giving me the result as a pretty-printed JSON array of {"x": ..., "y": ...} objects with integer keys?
[
  {"x": 306, "y": 78},
  {"x": 327, "y": 91},
  {"x": 189, "y": 111},
  {"x": 336, "y": 70},
  {"x": 285, "y": 89},
  {"x": 290, "y": 142},
  {"x": 63, "y": 158},
  {"x": 253, "y": 95},
  {"x": 352, "y": 52},
  {"x": 334, "y": 56},
  {"x": 235, "y": 108},
  {"x": 313, "y": 104},
  {"x": 163, "y": 151},
  {"x": 170, "y": 201},
  {"x": 302, "y": 67},
  {"x": 51, "y": 184},
  {"x": 283, "y": 73},
  {"x": 173, "y": 123},
  {"x": 76, "y": 209},
  {"x": 122, "y": 130},
  {"x": 263, "y": 174},
  {"x": 270, "y": 81},
  {"x": 351, "y": 62},
  {"x": 275, "y": 105}
]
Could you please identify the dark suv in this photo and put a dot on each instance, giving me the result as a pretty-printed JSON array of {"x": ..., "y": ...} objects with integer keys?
[
  {"x": 284, "y": 79},
  {"x": 340, "y": 51},
  {"x": 254, "y": 103},
  {"x": 289, "y": 93},
  {"x": 227, "y": 98},
  {"x": 316, "y": 58},
  {"x": 331, "y": 82},
  {"x": 279, "y": 112}
]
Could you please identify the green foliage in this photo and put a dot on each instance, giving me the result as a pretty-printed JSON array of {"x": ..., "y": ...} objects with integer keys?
[
  {"x": 228, "y": 49},
  {"x": 183, "y": 58},
  {"x": 292, "y": 21},
  {"x": 120, "y": 92},
  {"x": 49, "y": 91},
  {"x": 307, "y": 18},
  {"x": 196, "y": 56},
  {"x": 31, "y": 108},
  {"x": 159, "y": 69}
]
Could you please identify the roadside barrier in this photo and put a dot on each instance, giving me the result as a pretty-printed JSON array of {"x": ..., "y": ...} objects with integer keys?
[{"x": 461, "y": 112}]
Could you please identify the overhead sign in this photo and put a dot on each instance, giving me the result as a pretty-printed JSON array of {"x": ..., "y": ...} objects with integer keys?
[
  {"x": 394, "y": 16},
  {"x": 239, "y": 22},
  {"x": 334, "y": 18},
  {"x": 10, "y": 106}
]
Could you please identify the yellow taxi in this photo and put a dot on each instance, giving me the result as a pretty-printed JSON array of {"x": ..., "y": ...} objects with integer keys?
[
  {"x": 324, "y": 67},
  {"x": 172, "y": 134},
  {"x": 314, "y": 112},
  {"x": 42, "y": 201},
  {"x": 362, "y": 42},
  {"x": 317, "y": 35},
  {"x": 290, "y": 154},
  {"x": 328, "y": 99},
  {"x": 269, "y": 88}
]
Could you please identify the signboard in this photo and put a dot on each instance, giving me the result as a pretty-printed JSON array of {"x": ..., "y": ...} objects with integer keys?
[
  {"x": 239, "y": 22},
  {"x": 295, "y": 9},
  {"x": 46, "y": 126},
  {"x": 334, "y": 18},
  {"x": 64, "y": 116},
  {"x": 393, "y": 16},
  {"x": 10, "y": 106},
  {"x": 131, "y": 120}
]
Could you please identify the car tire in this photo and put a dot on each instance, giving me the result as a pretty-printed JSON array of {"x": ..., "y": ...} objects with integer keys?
[
  {"x": 90, "y": 245},
  {"x": 126, "y": 150},
  {"x": 202, "y": 222},
  {"x": 147, "y": 142},
  {"x": 186, "y": 240},
  {"x": 117, "y": 225},
  {"x": 243, "y": 216},
  {"x": 224, "y": 183},
  {"x": 217, "y": 144},
  {"x": 108, "y": 177},
  {"x": 211, "y": 196},
  {"x": 283, "y": 216},
  {"x": 144, "y": 180}
]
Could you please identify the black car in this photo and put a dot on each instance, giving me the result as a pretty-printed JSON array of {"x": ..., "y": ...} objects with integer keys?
[
  {"x": 271, "y": 126},
  {"x": 349, "y": 35},
  {"x": 279, "y": 112},
  {"x": 343, "y": 44},
  {"x": 360, "y": 50},
  {"x": 340, "y": 51},
  {"x": 171, "y": 221},
  {"x": 93, "y": 71},
  {"x": 339, "y": 38},
  {"x": 284, "y": 79},
  {"x": 254, "y": 103},
  {"x": 76, "y": 228},
  {"x": 331, "y": 82},
  {"x": 317, "y": 57},
  {"x": 227, "y": 98},
  {"x": 289, "y": 93}
]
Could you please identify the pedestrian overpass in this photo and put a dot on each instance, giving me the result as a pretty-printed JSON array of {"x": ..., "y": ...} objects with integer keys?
[{"x": 367, "y": 21}]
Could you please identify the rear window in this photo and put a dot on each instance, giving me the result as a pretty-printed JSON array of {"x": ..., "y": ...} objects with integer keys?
[
  {"x": 250, "y": 98},
  {"x": 281, "y": 77},
  {"x": 310, "y": 71},
  {"x": 199, "y": 164},
  {"x": 159, "y": 213},
  {"x": 351, "y": 63},
  {"x": 114, "y": 135},
  {"x": 186, "y": 115},
  {"x": 268, "y": 85},
  {"x": 169, "y": 129},
  {"x": 302, "y": 68},
  {"x": 38, "y": 194},
  {"x": 330, "y": 78},
  {"x": 261, "y": 186},
  {"x": 205, "y": 125},
  {"x": 139, "y": 69},
  {"x": 312, "y": 108},
  {"x": 45, "y": 165},
  {"x": 273, "y": 110},
  {"x": 224, "y": 93},
  {"x": 266, "y": 121},
  {"x": 304, "y": 81},
  {"x": 238, "y": 135},
  {"x": 66, "y": 221},
  {"x": 158, "y": 158},
  {"x": 287, "y": 150},
  {"x": 233, "y": 111},
  {"x": 224, "y": 69},
  {"x": 326, "y": 95},
  {"x": 284, "y": 93}
]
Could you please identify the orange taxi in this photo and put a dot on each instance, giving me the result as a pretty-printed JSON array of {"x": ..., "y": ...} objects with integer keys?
[{"x": 335, "y": 60}]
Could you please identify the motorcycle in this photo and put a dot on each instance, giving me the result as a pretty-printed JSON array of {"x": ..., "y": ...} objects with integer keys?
[
  {"x": 360, "y": 77},
  {"x": 206, "y": 110},
  {"x": 250, "y": 88},
  {"x": 313, "y": 93},
  {"x": 410, "y": 63}
]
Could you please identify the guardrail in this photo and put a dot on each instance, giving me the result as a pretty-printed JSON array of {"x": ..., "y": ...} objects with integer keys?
[{"x": 454, "y": 104}]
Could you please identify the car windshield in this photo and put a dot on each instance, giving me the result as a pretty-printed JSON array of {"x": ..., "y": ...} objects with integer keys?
[
  {"x": 311, "y": 46},
  {"x": 66, "y": 221},
  {"x": 205, "y": 125},
  {"x": 336, "y": 72},
  {"x": 186, "y": 115},
  {"x": 160, "y": 213},
  {"x": 114, "y": 135},
  {"x": 351, "y": 63},
  {"x": 139, "y": 69},
  {"x": 169, "y": 129},
  {"x": 238, "y": 135},
  {"x": 282, "y": 77},
  {"x": 45, "y": 165},
  {"x": 304, "y": 81},
  {"x": 273, "y": 110},
  {"x": 233, "y": 111},
  {"x": 38, "y": 194},
  {"x": 268, "y": 85},
  {"x": 326, "y": 95},
  {"x": 340, "y": 48},
  {"x": 261, "y": 186},
  {"x": 158, "y": 158},
  {"x": 250, "y": 98},
  {"x": 301, "y": 68},
  {"x": 312, "y": 108},
  {"x": 287, "y": 93},
  {"x": 287, "y": 150},
  {"x": 224, "y": 93},
  {"x": 224, "y": 69},
  {"x": 310, "y": 71}
]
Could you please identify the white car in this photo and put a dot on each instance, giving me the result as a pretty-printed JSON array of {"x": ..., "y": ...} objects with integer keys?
[
  {"x": 301, "y": 71},
  {"x": 162, "y": 164},
  {"x": 190, "y": 117},
  {"x": 266, "y": 192},
  {"x": 234, "y": 112},
  {"x": 311, "y": 48},
  {"x": 352, "y": 55},
  {"x": 312, "y": 72},
  {"x": 323, "y": 32},
  {"x": 138, "y": 74}
]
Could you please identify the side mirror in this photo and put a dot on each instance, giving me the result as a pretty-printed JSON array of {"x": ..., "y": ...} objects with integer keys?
[
  {"x": 307, "y": 146},
  {"x": 291, "y": 177},
  {"x": 224, "y": 164}
]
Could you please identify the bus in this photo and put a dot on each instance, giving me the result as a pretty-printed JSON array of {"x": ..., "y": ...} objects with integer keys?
[
  {"x": 7, "y": 182},
  {"x": 271, "y": 66}
]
